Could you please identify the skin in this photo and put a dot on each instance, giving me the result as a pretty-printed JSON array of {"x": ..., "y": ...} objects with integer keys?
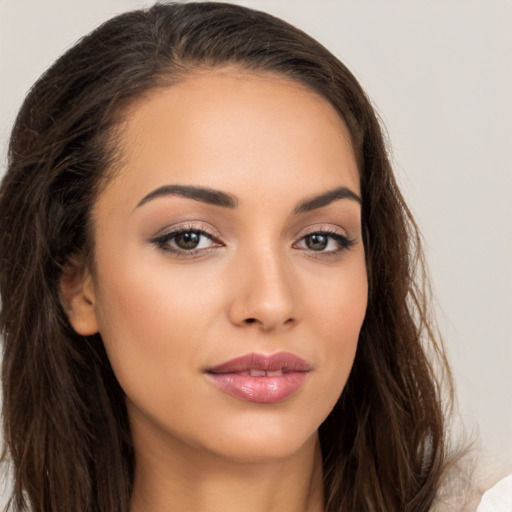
[{"x": 255, "y": 286}]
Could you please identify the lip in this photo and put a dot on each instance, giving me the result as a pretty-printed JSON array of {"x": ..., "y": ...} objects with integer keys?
[{"x": 260, "y": 378}]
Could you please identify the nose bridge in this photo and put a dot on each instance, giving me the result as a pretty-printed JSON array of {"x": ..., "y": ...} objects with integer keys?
[{"x": 265, "y": 292}]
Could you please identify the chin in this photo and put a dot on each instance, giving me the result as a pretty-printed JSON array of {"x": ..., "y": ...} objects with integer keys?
[
  {"x": 265, "y": 449},
  {"x": 254, "y": 439}
]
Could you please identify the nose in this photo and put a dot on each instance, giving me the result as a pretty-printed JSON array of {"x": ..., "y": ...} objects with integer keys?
[{"x": 264, "y": 292}]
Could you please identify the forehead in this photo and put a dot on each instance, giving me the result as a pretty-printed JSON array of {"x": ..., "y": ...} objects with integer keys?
[{"x": 228, "y": 128}]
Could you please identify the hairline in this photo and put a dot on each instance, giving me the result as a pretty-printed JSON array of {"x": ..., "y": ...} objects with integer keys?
[{"x": 115, "y": 150}]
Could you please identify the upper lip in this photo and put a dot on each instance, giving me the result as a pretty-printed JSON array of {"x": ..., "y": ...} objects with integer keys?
[{"x": 284, "y": 361}]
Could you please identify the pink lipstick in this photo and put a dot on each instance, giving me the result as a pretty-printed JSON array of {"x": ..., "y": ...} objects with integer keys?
[{"x": 259, "y": 378}]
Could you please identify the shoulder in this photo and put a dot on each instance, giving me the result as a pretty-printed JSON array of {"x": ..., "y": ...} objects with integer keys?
[
  {"x": 498, "y": 498},
  {"x": 474, "y": 484}
]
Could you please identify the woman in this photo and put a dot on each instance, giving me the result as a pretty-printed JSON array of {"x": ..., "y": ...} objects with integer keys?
[{"x": 208, "y": 284}]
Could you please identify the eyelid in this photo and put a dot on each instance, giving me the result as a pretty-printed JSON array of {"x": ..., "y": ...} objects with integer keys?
[
  {"x": 322, "y": 228},
  {"x": 163, "y": 237},
  {"x": 336, "y": 233},
  {"x": 192, "y": 225}
]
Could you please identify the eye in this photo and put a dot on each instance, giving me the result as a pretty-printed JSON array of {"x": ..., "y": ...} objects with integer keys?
[
  {"x": 317, "y": 241},
  {"x": 330, "y": 242},
  {"x": 189, "y": 240},
  {"x": 186, "y": 241}
]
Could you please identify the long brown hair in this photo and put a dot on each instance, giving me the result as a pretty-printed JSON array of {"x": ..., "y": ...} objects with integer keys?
[{"x": 64, "y": 415}]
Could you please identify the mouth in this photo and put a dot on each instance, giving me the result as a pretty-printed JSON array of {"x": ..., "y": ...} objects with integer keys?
[{"x": 259, "y": 378}]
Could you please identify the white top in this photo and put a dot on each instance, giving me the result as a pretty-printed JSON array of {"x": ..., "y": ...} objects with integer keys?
[
  {"x": 464, "y": 489},
  {"x": 498, "y": 498}
]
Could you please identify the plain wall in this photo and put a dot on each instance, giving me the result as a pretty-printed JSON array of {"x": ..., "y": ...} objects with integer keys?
[{"x": 440, "y": 75}]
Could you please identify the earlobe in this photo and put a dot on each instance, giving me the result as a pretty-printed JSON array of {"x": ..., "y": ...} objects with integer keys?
[{"x": 78, "y": 299}]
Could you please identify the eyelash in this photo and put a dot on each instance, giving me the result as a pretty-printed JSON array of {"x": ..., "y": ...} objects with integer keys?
[
  {"x": 163, "y": 242},
  {"x": 343, "y": 241}
]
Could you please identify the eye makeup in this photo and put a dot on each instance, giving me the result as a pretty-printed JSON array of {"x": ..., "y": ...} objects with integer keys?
[
  {"x": 189, "y": 241},
  {"x": 324, "y": 241}
]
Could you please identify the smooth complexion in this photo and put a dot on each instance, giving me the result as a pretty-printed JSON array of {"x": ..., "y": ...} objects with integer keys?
[{"x": 233, "y": 228}]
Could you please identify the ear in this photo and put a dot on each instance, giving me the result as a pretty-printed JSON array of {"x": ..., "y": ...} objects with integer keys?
[{"x": 78, "y": 298}]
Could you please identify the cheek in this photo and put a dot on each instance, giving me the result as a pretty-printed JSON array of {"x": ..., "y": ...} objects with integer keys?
[
  {"x": 337, "y": 300},
  {"x": 160, "y": 323},
  {"x": 336, "y": 312},
  {"x": 151, "y": 321}
]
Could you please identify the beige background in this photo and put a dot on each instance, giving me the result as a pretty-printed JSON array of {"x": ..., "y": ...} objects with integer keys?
[{"x": 440, "y": 74}]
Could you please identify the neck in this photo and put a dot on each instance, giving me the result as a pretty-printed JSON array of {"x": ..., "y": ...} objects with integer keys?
[{"x": 185, "y": 479}]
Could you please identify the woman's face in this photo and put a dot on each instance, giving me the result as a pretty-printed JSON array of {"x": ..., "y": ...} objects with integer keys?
[{"x": 230, "y": 282}]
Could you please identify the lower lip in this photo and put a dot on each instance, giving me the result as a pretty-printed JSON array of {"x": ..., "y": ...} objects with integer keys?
[{"x": 263, "y": 390}]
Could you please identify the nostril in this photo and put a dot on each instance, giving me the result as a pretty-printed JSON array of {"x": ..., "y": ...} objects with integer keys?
[{"x": 250, "y": 320}]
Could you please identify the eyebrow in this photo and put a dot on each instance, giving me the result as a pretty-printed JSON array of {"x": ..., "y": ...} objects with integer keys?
[
  {"x": 326, "y": 199},
  {"x": 205, "y": 195},
  {"x": 225, "y": 200}
]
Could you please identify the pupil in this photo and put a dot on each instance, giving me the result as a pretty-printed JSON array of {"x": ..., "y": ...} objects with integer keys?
[
  {"x": 316, "y": 242},
  {"x": 188, "y": 240}
]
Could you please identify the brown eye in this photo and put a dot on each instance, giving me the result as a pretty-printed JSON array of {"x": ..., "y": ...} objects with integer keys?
[
  {"x": 324, "y": 243},
  {"x": 187, "y": 240},
  {"x": 316, "y": 242}
]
